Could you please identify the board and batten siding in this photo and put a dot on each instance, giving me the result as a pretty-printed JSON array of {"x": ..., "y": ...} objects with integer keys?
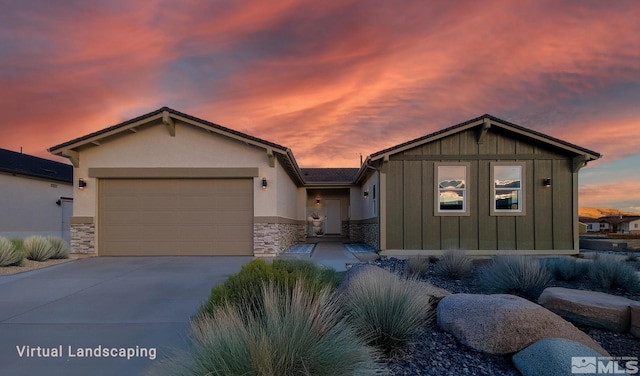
[{"x": 547, "y": 223}]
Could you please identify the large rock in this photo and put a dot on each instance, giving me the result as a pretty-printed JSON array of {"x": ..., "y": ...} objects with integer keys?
[
  {"x": 504, "y": 324},
  {"x": 635, "y": 320},
  {"x": 552, "y": 357},
  {"x": 591, "y": 308}
]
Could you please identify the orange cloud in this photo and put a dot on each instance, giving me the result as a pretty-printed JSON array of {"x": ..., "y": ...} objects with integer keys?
[{"x": 328, "y": 79}]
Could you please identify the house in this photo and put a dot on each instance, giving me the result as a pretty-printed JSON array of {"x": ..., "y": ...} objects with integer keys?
[
  {"x": 634, "y": 226},
  {"x": 486, "y": 186},
  {"x": 36, "y": 196},
  {"x": 629, "y": 225},
  {"x": 167, "y": 183}
]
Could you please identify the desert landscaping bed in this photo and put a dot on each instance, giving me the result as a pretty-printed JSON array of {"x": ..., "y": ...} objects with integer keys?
[
  {"x": 437, "y": 352},
  {"x": 29, "y": 265}
]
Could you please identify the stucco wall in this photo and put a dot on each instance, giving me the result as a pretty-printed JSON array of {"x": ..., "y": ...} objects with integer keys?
[
  {"x": 191, "y": 147},
  {"x": 366, "y": 207},
  {"x": 29, "y": 207}
]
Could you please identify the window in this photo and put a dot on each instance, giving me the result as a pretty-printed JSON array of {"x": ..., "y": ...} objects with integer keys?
[
  {"x": 451, "y": 189},
  {"x": 507, "y": 189}
]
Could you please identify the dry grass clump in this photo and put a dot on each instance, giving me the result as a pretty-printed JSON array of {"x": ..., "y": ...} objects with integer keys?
[
  {"x": 296, "y": 332},
  {"x": 59, "y": 248},
  {"x": 385, "y": 310},
  {"x": 516, "y": 274},
  {"x": 38, "y": 248},
  {"x": 417, "y": 266},
  {"x": 454, "y": 264},
  {"x": 10, "y": 255}
]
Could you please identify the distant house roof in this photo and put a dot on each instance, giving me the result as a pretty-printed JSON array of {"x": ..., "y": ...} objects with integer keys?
[
  {"x": 329, "y": 175},
  {"x": 619, "y": 219},
  {"x": 22, "y": 164}
]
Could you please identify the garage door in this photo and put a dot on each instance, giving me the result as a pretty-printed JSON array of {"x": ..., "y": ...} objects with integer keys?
[{"x": 175, "y": 217}]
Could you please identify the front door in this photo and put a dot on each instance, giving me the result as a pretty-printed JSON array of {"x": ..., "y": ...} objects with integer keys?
[{"x": 333, "y": 221}]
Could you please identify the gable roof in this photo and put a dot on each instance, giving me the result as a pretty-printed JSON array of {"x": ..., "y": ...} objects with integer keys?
[
  {"x": 329, "y": 175},
  {"x": 155, "y": 115},
  {"x": 28, "y": 165},
  {"x": 487, "y": 121},
  {"x": 168, "y": 116}
]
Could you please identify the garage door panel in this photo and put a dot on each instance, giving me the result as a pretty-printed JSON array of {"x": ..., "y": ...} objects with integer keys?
[{"x": 176, "y": 217}]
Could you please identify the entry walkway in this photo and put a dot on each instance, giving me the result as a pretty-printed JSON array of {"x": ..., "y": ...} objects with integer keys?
[
  {"x": 331, "y": 252},
  {"x": 334, "y": 255}
]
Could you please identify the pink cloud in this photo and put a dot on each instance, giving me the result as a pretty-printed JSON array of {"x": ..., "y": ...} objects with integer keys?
[
  {"x": 328, "y": 79},
  {"x": 610, "y": 194}
]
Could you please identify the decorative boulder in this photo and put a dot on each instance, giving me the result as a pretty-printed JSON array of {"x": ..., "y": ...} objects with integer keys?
[
  {"x": 552, "y": 357},
  {"x": 591, "y": 308},
  {"x": 504, "y": 324},
  {"x": 635, "y": 320}
]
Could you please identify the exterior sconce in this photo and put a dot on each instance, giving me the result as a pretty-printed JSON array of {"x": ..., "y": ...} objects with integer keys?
[
  {"x": 366, "y": 194},
  {"x": 264, "y": 183},
  {"x": 317, "y": 201},
  {"x": 546, "y": 182},
  {"x": 82, "y": 184}
]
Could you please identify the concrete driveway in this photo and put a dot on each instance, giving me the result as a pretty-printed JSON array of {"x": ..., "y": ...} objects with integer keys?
[{"x": 104, "y": 315}]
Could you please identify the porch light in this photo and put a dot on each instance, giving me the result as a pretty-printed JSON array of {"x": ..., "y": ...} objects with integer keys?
[
  {"x": 366, "y": 194},
  {"x": 546, "y": 182},
  {"x": 317, "y": 201},
  {"x": 82, "y": 184},
  {"x": 264, "y": 183}
]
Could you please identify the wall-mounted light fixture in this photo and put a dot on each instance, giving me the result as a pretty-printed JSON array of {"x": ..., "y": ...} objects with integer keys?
[
  {"x": 264, "y": 183},
  {"x": 82, "y": 184},
  {"x": 366, "y": 194},
  {"x": 546, "y": 182},
  {"x": 317, "y": 201}
]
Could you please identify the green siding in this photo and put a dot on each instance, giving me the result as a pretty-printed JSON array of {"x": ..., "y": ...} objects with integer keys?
[
  {"x": 543, "y": 209},
  {"x": 413, "y": 203},
  {"x": 412, "y": 223},
  {"x": 430, "y": 224},
  {"x": 395, "y": 205},
  {"x": 562, "y": 185}
]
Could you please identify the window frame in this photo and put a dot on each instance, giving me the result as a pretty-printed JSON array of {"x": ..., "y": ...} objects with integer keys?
[
  {"x": 521, "y": 211},
  {"x": 466, "y": 210}
]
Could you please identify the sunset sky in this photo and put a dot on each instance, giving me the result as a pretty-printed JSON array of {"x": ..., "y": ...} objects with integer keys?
[{"x": 332, "y": 79}]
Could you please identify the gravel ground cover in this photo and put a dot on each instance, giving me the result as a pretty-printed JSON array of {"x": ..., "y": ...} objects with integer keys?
[{"x": 437, "y": 352}]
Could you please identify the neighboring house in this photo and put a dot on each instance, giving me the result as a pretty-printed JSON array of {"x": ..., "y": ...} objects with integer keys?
[
  {"x": 592, "y": 224},
  {"x": 167, "y": 183},
  {"x": 35, "y": 196},
  {"x": 629, "y": 224},
  {"x": 634, "y": 226}
]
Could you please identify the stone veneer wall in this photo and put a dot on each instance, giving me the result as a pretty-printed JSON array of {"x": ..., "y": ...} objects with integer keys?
[
  {"x": 271, "y": 239},
  {"x": 83, "y": 238},
  {"x": 367, "y": 233}
]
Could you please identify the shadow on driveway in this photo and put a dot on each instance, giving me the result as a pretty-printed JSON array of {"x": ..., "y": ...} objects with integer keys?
[{"x": 116, "y": 307}]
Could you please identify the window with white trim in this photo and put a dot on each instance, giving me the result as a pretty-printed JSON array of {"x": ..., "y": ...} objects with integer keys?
[
  {"x": 508, "y": 194},
  {"x": 451, "y": 189}
]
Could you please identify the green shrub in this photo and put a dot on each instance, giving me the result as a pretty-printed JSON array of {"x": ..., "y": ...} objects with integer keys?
[
  {"x": 515, "y": 274},
  {"x": 609, "y": 273},
  {"x": 300, "y": 332},
  {"x": 38, "y": 248},
  {"x": 388, "y": 312},
  {"x": 60, "y": 249},
  {"x": 19, "y": 244},
  {"x": 245, "y": 288},
  {"x": 417, "y": 266},
  {"x": 566, "y": 268},
  {"x": 454, "y": 264},
  {"x": 9, "y": 254}
]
